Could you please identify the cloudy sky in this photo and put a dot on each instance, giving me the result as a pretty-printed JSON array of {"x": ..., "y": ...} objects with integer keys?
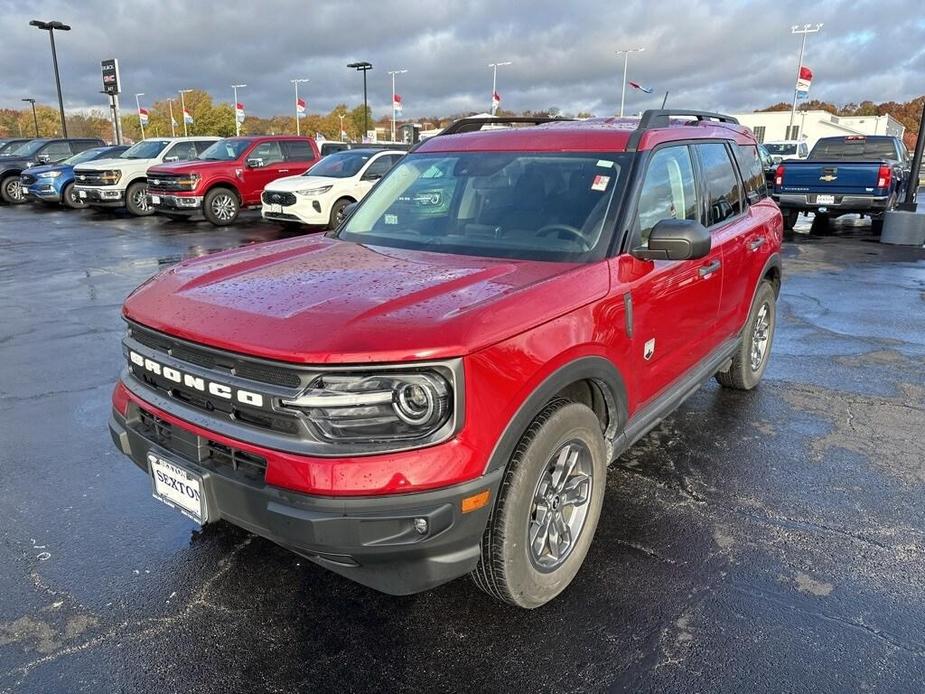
[{"x": 710, "y": 54}]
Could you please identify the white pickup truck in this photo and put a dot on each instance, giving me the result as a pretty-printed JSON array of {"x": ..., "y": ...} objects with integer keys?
[{"x": 122, "y": 181}]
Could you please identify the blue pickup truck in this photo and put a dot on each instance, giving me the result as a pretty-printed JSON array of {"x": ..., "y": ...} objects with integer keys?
[{"x": 860, "y": 174}]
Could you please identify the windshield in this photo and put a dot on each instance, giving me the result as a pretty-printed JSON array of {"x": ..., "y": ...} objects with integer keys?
[
  {"x": 535, "y": 206},
  {"x": 146, "y": 149},
  {"x": 86, "y": 155},
  {"x": 225, "y": 150},
  {"x": 27, "y": 149},
  {"x": 854, "y": 149},
  {"x": 340, "y": 165},
  {"x": 781, "y": 148}
]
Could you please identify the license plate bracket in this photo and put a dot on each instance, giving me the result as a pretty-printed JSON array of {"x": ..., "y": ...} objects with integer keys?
[
  {"x": 825, "y": 199},
  {"x": 174, "y": 485},
  {"x": 275, "y": 209}
]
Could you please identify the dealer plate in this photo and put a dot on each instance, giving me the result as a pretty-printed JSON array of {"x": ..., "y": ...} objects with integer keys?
[
  {"x": 275, "y": 209},
  {"x": 825, "y": 199},
  {"x": 155, "y": 199},
  {"x": 177, "y": 487},
  {"x": 81, "y": 193}
]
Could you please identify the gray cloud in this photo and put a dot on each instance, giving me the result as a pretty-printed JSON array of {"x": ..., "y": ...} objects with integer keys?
[{"x": 709, "y": 54}]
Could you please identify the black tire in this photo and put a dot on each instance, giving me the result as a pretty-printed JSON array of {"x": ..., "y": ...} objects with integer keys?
[
  {"x": 743, "y": 374},
  {"x": 136, "y": 199},
  {"x": 821, "y": 226},
  {"x": 221, "y": 206},
  {"x": 11, "y": 191},
  {"x": 70, "y": 199},
  {"x": 337, "y": 212},
  {"x": 790, "y": 219},
  {"x": 876, "y": 225},
  {"x": 509, "y": 569}
]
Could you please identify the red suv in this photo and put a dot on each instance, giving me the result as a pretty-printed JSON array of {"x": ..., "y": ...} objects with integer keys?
[
  {"x": 229, "y": 175},
  {"x": 437, "y": 387}
]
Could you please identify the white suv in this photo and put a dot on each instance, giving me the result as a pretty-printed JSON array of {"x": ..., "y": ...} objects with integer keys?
[
  {"x": 319, "y": 195},
  {"x": 122, "y": 181}
]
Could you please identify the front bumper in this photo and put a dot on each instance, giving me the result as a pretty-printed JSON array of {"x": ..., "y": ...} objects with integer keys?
[
  {"x": 313, "y": 211},
  {"x": 845, "y": 203},
  {"x": 104, "y": 197},
  {"x": 371, "y": 540},
  {"x": 43, "y": 191},
  {"x": 170, "y": 202}
]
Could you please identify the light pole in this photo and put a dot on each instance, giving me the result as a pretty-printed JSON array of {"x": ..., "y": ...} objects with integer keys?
[
  {"x": 298, "y": 127},
  {"x": 237, "y": 125},
  {"x": 50, "y": 28},
  {"x": 494, "y": 83},
  {"x": 341, "y": 116},
  {"x": 112, "y": 116},
  {"x": 803, "y": 31},
  {"x": 141, "y": 123},
  {"x": 625, "y": 52},
  {"x": 393, "y": 73},
  {"x": 363, "y": 67},
  {"x": 35, "y": 118},
  {"x": 183, "y": 109},
  {"x": 173, "y": 123}
]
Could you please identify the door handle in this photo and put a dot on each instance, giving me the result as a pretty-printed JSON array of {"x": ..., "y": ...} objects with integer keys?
[
  {"x": 757, "y": 243},
  {"x": 709, "y": 268},
  {"x": 283, "y": 170}
]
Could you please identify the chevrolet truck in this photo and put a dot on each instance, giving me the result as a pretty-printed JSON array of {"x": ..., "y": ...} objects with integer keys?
[{"x": 436, "y": 388}]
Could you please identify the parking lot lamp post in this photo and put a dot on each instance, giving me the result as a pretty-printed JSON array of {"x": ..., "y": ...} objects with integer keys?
[
  {"x": 173, "y": 123},
  {"x": 341, "y": 135},
  {"x": 138, "y": 111},
  {"x": 625, "y": 52},
  {"x": 494, "y": 83},
  {"x": 183, "y": 110},
  {"x": 298, "y": 127},
  {"x": 363, "y": 67},
  {"x": 393, "y": 73},
  {"x": 50, "y": 28},
  {"x": 35, "y": 118},
  {"x": 234, "y": 106},
  {"x": 803, "y": 31}
]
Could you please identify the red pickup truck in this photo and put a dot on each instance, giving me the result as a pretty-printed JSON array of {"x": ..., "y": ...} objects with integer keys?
[
  {"x": 437, "y": 387},
  {"x": 229, "y": 175}
]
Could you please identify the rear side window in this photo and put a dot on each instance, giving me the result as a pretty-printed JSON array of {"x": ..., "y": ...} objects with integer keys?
[
  {"x": 752, "y": 171},
  {"x": 724, "y": 199},
  {"x": 668, "y": 190},
  {"x": 183, "y": 151},
  {"x": 78, "y": 146},
  {"x": 56, "y": 151},
  {"x": 203, "y": 145},
  {"x": 299, "y": 150}
]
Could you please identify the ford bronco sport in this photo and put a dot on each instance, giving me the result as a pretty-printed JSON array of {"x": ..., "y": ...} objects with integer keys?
[{"x": 437, "y": 387}]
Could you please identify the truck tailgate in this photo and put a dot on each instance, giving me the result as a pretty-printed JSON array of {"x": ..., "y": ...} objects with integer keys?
[{"x": 836, "y": 177}]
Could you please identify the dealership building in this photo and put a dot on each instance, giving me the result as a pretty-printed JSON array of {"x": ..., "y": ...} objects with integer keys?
[{"x": 770, "y": 126}]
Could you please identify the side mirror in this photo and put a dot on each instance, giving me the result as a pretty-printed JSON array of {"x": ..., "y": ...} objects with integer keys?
[
  {"x": 43, "y": 158},
  {"x": 255, "y": 163},
  {"x": 372, "y": 176},
  {"x": 171, "y": 159},
  {"x": 676, "y": 239}
]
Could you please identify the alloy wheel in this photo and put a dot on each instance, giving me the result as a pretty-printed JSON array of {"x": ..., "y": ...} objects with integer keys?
[
  {"x": 760, "y": 336},
  {"x": 223, "y": 207},
  {"x": 140, "y": 199}
]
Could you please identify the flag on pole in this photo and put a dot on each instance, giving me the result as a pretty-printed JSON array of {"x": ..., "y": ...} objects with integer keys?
[
  {"x": 239, "y": 112},
  {"x": 803, "y": 82},
  {"x": 173, "y": 121},
  {"x": 187, "y": 117},
  {"x": 143, "y": 116},
  {"x": 495, "y": 100},
  {"x": 300, "y": 106},
  {"x": 636, "y": 85},
  {"x": 396, "y": 104}
]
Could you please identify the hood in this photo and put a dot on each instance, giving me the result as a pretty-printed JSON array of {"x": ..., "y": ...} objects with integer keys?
[
  {"x": 319, "y": 300},
  {"x": 35, "y": 170},
  {"x": 113, "y": 163},
  {"x": 10, "y": 162},
  {"x": 191, "y": 166},
  {"x": 291, "y": 183}
]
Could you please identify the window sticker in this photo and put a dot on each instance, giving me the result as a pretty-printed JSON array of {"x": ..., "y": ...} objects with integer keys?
[
  {"x": 604, "y": 163},
  {"x": 391, "y": 219},
  {"x": 600, "y": 182}
]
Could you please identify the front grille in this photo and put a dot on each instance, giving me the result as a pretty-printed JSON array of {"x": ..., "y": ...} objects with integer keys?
[
  {"x": 27, "y": 179},
  {"x": 217, "y": 457},
  {"x": 168, "y": 182},
  {"x": 91, "y": 178},
  {"x": 282, "y": 216},
  {"x": 275, "y": 197}
]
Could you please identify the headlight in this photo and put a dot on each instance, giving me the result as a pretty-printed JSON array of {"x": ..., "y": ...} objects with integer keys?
[
  {"x": 110, "y": 177},
  {"x": 320, "y": 190},
  {"x": 49, "y": 174},
  {"x": 377, "y": 407},
  {"x": 188, "y": 182}
]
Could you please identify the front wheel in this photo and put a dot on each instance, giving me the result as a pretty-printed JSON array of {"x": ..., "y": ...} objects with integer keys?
[
  {"x": 70, "y": 199},
  {"x": 337, "y": 213},
  {"x": 136, "y": 199},
  {"x": 751, "y": 358},
  {"x": 220, "y": 206},
  {"x": 11, "y": 191},
  {"x": 547, "y": 508}
]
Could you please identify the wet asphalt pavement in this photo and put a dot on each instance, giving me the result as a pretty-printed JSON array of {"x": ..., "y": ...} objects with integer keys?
[{"x": 763, "y": 541}]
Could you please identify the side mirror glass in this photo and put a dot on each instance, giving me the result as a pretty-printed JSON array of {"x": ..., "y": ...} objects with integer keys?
[
  {"x": 43, "y": 158},
  {"x": 676, "y": 239},
  {"x": 372, "y": 176},
  {"x": 255, "y": 163},
  {"x": 172, "y": 158}
]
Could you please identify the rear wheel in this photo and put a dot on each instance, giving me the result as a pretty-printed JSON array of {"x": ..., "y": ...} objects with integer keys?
[
  {"x": 751, "y": 358},
  {"x": 69, "y": 198},
  {"x": 790, "y": 219},
  {"x": 547, "y": 508},
  {"x": 220, "y": 206},
  {"x": 136, "y": 199},
  {"x": 11, "y": 191},
  {"x": 822, "y": 225},
  {"x": 876, "y": 225}
]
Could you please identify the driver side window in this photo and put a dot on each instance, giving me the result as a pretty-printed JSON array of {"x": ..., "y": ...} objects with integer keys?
[
  {"x": 668, "y": 191},
  {"x": 267, "y": 152}
]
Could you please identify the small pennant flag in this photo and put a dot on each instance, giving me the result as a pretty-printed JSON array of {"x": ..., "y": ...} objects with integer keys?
[
  {"x": 143, "y": 116},
  {"x": 300, "y": 106},
  {"x": 495, "y": 100},
  {"x": 187, "y": 117},
  {"x": 396, "y": 104},
  {"x": 636, "y": 85},
  {"x": 803, "y": 82},
  {"x": 239, "y": 112}
]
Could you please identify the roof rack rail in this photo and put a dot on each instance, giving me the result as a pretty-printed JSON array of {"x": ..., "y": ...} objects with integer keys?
[
  {"x": 476, "y": 123},
  {"x": 661, "y": 118}
]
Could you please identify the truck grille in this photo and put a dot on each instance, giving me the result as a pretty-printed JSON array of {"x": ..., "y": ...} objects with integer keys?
[
  {"x": 275, "y": 197},
  {"x": 167, "y": 182},
  {"x": 90, "y": 178}
]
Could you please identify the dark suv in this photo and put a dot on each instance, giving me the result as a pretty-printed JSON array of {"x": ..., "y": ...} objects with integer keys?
[
  {"x": 437, "y": 387},
  {"x": 35, "y": 153}
]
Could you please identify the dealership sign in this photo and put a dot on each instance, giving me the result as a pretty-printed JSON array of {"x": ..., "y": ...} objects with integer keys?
[{"x": 110, "y": 70}]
